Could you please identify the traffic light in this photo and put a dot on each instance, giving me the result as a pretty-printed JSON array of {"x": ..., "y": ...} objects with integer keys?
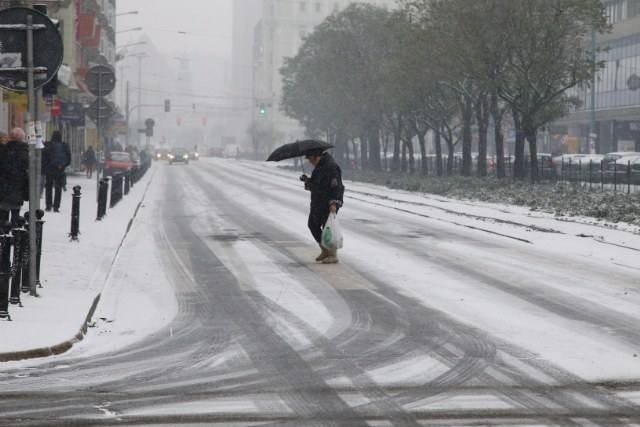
[
  {"x": 149, "y": 124},
  {"x": 263, "y": 110},
  {"x": 167, "y": 105}
]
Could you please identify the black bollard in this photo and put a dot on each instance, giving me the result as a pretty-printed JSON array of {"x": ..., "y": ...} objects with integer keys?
[
  {"x": 5, "y": 269},
  {"x": 25, "y": 283},
  {"x": 127, "y": 183},
  {"x": 103, "y": 194},
  {"x": 39, "y": 230},
  {"x": 75, "y": 214},
  {"x": 19, "y": 236}
]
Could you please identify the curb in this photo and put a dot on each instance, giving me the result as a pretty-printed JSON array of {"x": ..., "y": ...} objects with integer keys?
[{"x": 65, "y": 346}]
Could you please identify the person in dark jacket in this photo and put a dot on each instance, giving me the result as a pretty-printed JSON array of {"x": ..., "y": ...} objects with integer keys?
[
  {"x": 14, "y": 176},
  {"x": 327, "y": 191},
  {"x": 56, "y": 158},
  {"x": 89, "y": 161}
]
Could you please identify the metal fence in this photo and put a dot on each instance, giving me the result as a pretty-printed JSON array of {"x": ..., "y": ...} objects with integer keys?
[{"x": 603, "y": 175}]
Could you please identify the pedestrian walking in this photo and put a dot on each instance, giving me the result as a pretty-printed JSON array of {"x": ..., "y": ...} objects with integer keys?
[
  {"x": 89, "y": 161},
  {"x": 14, "y": 176},
  {"x": 327, "y": 191},
  {"x": 56, "y": 158}
]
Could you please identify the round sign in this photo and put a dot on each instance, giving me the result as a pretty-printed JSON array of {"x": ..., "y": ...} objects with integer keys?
[
  {"x": 101, "y": 80},
  {"x": 101, "y": 109},
  {"x": 47, "y": 49},
  {"x": 634, "y": 82}
]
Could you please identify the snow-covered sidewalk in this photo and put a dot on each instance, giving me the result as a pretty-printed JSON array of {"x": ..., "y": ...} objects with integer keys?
[{"x": 73, "y": 273}]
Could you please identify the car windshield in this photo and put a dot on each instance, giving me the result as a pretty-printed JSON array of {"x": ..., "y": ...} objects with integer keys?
[{"x": 120, "y": 157}]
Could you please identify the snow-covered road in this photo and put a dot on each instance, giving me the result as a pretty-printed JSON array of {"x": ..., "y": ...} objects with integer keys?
[{"x": 442, "y": 313}]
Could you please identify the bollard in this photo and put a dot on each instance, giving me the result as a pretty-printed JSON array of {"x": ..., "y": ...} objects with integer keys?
[
  {"x": 127, "y": 183},
  {"x": 19, "y": 236},
  {"x": 39, "y": 231},
  {"x": 5, "y": 269},
  {"x": 116, "y": 190},
  {"x": 103, "y": 194},
  {"x": 75, "y": 214},
  {"x": 26, "y": 257}
]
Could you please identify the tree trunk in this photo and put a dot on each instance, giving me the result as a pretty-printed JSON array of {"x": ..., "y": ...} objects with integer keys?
[
  {"x": 355, "y": 154},
  {"x": 374, "y": 148},
  {"x": 397, "y": 139},
  {"x": 438, "y": 143},
  {"x": 412, "y": 158},
  {"x": 518, "y": 165},
  {"x": 424, "y": 167},
  {"x": 499, "y": 137},
  {"x": 482, "y": 118},
  {"x": 364, "y": 156},
  {"x": 450, "y": 148},
  {"x": 467, "y": 119},
  {"x": 532, "y": 137},
  {"x": 385, "y": 150},
  {"x": 403, "y": 163}
]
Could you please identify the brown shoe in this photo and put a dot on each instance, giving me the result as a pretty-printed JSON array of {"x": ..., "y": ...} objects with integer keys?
[
  {"x": 332, "y": 258},
  {"x": 323, "y": 255}
]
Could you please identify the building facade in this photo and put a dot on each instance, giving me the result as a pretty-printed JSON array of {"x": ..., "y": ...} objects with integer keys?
[
  {"x": 277, "y": 36},
  {"x": 616, "y": 109}
]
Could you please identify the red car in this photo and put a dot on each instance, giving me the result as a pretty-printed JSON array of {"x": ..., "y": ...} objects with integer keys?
[{"x": 119, "y": 162}]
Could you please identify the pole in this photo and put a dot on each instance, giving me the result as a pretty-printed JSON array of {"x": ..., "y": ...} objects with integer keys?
[
  {"x": 140, "y": 57},
  {"x": 34, "y": 193},
  {"x": 98, "y": 132},
  {"x": 592, "y": 120},
  {"x": 128, "y": 114}
]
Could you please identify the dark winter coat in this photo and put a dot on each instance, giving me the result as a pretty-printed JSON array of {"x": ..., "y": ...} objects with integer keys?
[
  {"x": 325, "y": 185},
  {"x": 14, "y": 174},
  {"x": 89, "y": 158},
  {"x": 56, "y": 158}
]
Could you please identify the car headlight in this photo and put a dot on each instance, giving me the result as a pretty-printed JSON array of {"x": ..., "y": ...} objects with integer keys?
[
  {"x": 186, "y": 156},
  {"x": 171, "y": 156},
  {"x": 197, "y": 155}
]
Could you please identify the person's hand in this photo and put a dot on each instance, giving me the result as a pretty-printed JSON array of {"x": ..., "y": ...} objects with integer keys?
[
  {"x": 333, "y": 208},
  {"x": 304, "y": 178}
]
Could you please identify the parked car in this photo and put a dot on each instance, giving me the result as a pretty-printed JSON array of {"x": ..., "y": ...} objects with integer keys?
[
  {"x": 118, "y": 162},
  {"x": 613, "y": 161},
  {"x": 179, "y": 155},
  {"x": 626, "y": 168}
]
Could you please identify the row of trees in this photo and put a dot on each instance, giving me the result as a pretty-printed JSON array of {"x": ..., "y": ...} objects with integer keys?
[{"x": 451, "y": 67}]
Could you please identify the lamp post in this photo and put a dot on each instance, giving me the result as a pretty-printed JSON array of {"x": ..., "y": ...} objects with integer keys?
[
  {"x": 128, "y": 30},
  {"x": 133, "y": 12}
]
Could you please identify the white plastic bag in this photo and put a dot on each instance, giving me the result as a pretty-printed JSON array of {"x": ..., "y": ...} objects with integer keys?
[{"x": 332, "y": 234}]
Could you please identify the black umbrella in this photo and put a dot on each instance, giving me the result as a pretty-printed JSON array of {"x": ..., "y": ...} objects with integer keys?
[{"x": 298, "y": 149}]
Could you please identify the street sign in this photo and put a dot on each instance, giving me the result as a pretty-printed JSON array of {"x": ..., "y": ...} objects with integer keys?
[
  {"x": 72, "y": 113},
  {"x": 101, "y": 109},
  {"x": 101, "y": 80},
  {"x": 47, "y": 48}
]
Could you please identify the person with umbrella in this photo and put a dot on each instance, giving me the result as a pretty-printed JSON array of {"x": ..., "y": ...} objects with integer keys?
[{"x": 325, "y": 185}]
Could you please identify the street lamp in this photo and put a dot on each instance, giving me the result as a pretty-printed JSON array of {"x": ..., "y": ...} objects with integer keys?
[{"x": 129, "y": 30}]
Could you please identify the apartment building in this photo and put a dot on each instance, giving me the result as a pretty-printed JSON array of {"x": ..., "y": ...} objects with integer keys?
[{"x": 616, "y": 109}]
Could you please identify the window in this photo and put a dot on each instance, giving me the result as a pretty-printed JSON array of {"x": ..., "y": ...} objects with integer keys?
[
  {"x": 303, "y": 6},
  {"x": 633, "y": 8}
]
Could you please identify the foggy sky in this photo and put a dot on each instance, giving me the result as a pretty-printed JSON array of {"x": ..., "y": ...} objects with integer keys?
[{"x": 207, "y": 21}]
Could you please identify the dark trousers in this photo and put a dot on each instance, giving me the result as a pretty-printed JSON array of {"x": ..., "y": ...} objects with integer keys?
[
  {"x": 14, "y": 213},
  {"x": 54, "y": 181},
  {"x": 317, "y": 220}
]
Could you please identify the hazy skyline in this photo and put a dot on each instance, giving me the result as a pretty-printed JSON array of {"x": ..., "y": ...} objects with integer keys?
[{"x": 206, "y": 22}]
